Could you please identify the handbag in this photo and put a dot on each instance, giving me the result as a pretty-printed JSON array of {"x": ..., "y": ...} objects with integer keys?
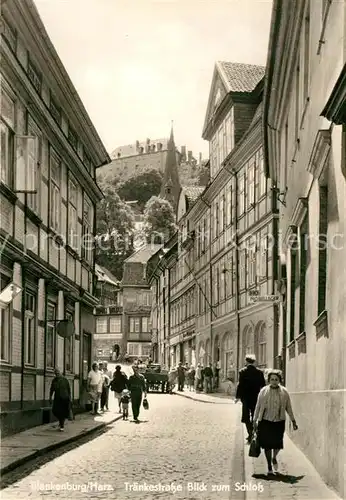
[
  {"x": 255, "y": 449},
  {"x": 145, "y": 404}
]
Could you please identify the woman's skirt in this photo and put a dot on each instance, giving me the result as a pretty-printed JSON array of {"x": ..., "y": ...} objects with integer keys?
[
  {"x": 93, "y": 394},
  {"x": 61, "y": 408},
  {"x": 271, "y": 434}
]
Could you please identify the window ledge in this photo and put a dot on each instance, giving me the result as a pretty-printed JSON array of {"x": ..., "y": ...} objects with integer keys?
[
  {"x": 36, "y": 219},
  {"x": 301, "y": 343},
  {"x": 8, "y": 193},
  {"x": 291, "y": 347},
  {"x": 321, "y": 325}
]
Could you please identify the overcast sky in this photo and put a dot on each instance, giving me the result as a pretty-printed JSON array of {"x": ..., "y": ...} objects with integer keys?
[{"x": 139, "y": 64}]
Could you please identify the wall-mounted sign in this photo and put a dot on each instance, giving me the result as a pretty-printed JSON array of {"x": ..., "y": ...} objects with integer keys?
[{"x": 9, "y": 293}]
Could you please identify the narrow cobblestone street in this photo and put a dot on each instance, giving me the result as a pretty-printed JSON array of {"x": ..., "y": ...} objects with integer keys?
[{"x": 186, "y": 443}]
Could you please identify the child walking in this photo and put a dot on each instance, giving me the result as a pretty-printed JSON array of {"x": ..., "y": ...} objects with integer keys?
[{"x": 125, "y": 400}]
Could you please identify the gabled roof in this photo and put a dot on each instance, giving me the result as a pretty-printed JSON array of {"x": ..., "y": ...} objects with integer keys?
[
  {"x": 104, "y": 275},
  {"x": 192, "y": 193},
  {"x": 143, "y": 254},
  {"x": 239, "y": 77},
  {"x": 228, "y": 78}
]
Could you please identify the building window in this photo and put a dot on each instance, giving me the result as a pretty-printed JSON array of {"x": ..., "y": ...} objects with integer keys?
[
  {"x": 261, "y": 173},
  {"x": 252, "y": 266},
  {"x": 230, "y": 131},
  {"x": 36, "y": 154},
  {"x": 241, "y": 195},
  {"x": 222, "y": 213},
  {"x": 145, "y": 325},
  {"x": 249, "y": 340},
  {"x": 34, "y": 76},
  {"x": 146, "y": 350},
  {"x": 229, "y": 206},
  {"x": 50, "y": 335},
  {"x": 9, "y": 34},
  {"x": 5, "y": 323},
  {"x": 262, "y": 346},
  {"x": 322, "y": 251},
  {"x": 69, "y": 342},
  {"x": 135, "y": 325},
  {"x": 217, "y": 220},
  {"x": 302, "y": 274},
  {"x": 88, "y": 243},
  {"x": 262, "y": 271},
  {"x": 101, "y": 325},
  {"x": 115, "y": 325},
  {"x": 55, "y": 110},
  {"x": 29, "y": 328},
  {"x": 251, "y": 183},
  {"x": 133, "y": 349},
  {"x": 7, "y": 124},
  {"x": 242, "y": 266},
  {"x": 72, "y": 213},
  {"x": 72, "y": 138},
  {"x": 55, "y": 180}
]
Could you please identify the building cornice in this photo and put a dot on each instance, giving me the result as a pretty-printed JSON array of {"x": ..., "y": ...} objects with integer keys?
[
  {"x": 320, "y": 153},
  {"x": 335, "y": 109}
]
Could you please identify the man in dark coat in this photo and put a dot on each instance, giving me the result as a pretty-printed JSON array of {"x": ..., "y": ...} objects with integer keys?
[
  {"x": 181, "y": 377},
  {"x": 62, "y": 398},
  {"x": 250, "y": 382},
  {"x": 137, "y": 386}
]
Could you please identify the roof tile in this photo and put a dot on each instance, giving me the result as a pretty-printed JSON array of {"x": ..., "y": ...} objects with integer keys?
[{"x": 241, "y": 77}]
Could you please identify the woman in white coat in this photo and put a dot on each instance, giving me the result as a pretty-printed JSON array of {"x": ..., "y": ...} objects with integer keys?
[{"x": 269, "y": 418}]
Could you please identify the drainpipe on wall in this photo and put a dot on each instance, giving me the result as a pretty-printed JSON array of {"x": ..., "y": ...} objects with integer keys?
[
  {"x": 275, "y": 264},
  {"x": 237, "y": 275},
  {"x": 169, "y": 318}
]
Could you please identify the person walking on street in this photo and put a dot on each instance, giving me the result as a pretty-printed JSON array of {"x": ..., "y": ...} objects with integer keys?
[
  {"x": 172, "y": 377},
  {"x": 95, "y": 383},
  {"x": 137, "y": 387},
  {"x": 269, "y": 418},
  {"x": 198, "y": 378},
  {"x": 216, "y": 375},
  {"x": 250, "y": 382},
  {"x": 208, "y": 377},
  {"x": 62, "y": 398},
  {"x": 118, "y": 384},
  {"x": 181, "y": 377},
  {"x": 105, "y": 387}
]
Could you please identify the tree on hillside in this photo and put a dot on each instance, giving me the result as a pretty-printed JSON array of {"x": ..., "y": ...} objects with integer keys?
[
  {"x": 141, "y": 187},
  {"x": 115, "y": 230},
  {"x": 159, "y": 220}
]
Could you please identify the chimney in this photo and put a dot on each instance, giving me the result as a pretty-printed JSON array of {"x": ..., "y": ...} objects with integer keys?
[
  {"x": 183, "y": 153},
  {"x": 189, "y": 156},
  {"x": 200, "y": 158}
]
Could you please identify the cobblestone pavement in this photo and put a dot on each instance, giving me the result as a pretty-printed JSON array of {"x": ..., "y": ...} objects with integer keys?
[{"x": 192, "y": 446}]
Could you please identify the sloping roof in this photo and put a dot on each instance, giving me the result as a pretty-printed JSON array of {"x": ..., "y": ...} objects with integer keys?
[
  {"x": 104, "y": 275},
  {"x": 240, "y": 77},
  {"x": 144, "y": 253},
  {"x": 192, "y": 193}
]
